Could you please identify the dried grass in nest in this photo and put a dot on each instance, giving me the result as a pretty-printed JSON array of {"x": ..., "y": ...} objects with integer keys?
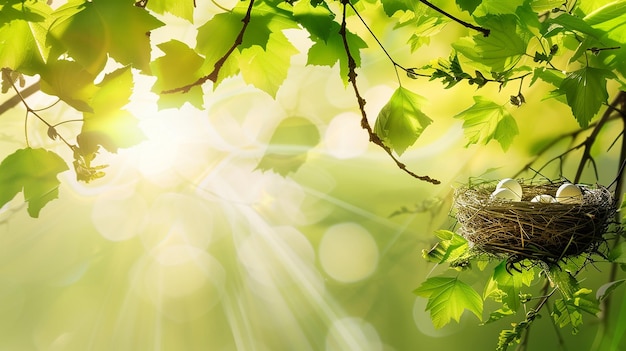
[{"x": 521, "y": 230}]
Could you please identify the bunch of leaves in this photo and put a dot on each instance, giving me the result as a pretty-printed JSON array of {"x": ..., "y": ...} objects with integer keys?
[
  {"x": 508, "y": 287},
  {"x": 575, "y": 47}
]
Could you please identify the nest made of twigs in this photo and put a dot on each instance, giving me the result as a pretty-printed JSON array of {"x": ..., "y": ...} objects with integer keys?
[{"x": 523, "y": 229}]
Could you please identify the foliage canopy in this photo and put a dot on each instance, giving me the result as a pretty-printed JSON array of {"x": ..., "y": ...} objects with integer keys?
[{"x": 577, "y": 48}]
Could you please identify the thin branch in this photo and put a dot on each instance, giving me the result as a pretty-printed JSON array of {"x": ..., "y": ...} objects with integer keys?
[
  {"x": 361, "y": 101},
  {"x": 544, "y": 299},
  {"x": 29, "y": 110},
  {"x": 605, "y": 304},
  {"x": 485, "y": 31},
  {"x": 15, "y": 99},
  {"x": 573, "y": 135},
  {"x": 218, "y": 65},
  {"x": 591, "y": 139}
]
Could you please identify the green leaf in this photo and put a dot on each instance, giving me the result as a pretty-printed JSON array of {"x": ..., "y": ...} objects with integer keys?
[
  {"x": 448, "y": 298},
  {"x": 508, "y": 283},
  {"x": 23, "y": 29},
  {"x": 425, "y": 23},
  {"x": 611, "y": 19},
  {"x": 605, "y": 290},
  {"x": 317, "y": 20},
  {"x": 264, "y": 21},
  {"x": 401, "y": 121},
  {"x": 585, "y": 90},
  {"x": 267, "y": 68},
  {"x": 618, "y": 253},
  {"x": 70, "y": 82},
  {"x": 331, "y": 51},
  {"x": 567, "y": 23},
  {"x": 179, "y": 67},
  {"x": 564, "y": 281},
  {"x": 33, "y": 171},
  {"x": 569, "y": 311},
  {"x": 486, "y": 120},
  {"x": 501, "y": 50},
  {"x": 499, "y": 314},
  {"x": 109, "y": 126},
  {"x": 541, "y": 6},
  {"x": 215, "y": 38},
  {"x": 468, "y": 5},
  {"x": 549, "y": 76},
  {"x": 89, "y": 31},
  {"x": 450, "y": 247},
  {"x": 182, "y": 9},
  {"x": 289, "y": 145},
  {"x": 497, "y": 7},
  {"x": 393, "y": 6}
]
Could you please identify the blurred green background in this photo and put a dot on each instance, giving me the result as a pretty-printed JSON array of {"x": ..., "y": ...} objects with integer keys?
[{"x": 185, "y": 245}]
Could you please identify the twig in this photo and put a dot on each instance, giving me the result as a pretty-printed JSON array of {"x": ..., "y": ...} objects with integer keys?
[
  {"x": 557, "y": 331},
  {"x": 544, "y": 299},
  {"x": 218, "y": 65},
  {"x": 361, "y": 101},
  {"x": 485, "y": 31},
  {"x": 606, "y": 303},
  {"x": 573, "y": 135},
  {"x": 15, "y": 99},
  {"x": 591, "y": 139},
  {"x": 29, "y": 110}
]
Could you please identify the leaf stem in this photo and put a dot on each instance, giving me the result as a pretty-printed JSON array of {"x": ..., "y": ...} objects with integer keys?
[
  {"x": 29, "y": 110},
  {"x": 485, "y": 31},
  {"x": 382, "y": 47},
  {"x": 361, "y": 101},
  {"x": 218, "y": 65}
]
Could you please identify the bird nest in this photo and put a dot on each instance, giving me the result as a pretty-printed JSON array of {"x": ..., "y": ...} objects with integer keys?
[{"x": 521, "y": 230}]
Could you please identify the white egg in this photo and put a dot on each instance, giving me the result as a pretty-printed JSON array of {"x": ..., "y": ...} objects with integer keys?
[
  {"x": 511, "y": 184},
  {"x": 544, "y": 198},
  {"x": 505, "y": 194},
  {"x": 569, "y": 194}
]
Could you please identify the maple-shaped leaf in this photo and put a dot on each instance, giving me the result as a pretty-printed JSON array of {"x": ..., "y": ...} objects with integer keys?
[
  {"x": 33, "y": 171},
  {"x": 485, "y": 121},
  {"x": 317, "y": 20},
  {"x": 585, "y": 90},
  {"x": 570, "y": 310},
  {"x": 508, "y": 284},
  {"x": 214, "y": 40},
  {"x": 468, "y": 5},
  {"x": 497, "y": 7},
  {"x": 502, "y": 49},
  {"x": 329, "y": 52},
  {"x": 401, "y": 121},
  {"x": 289, "y": 145},
  {"x": 179, "y": 67},
  {"x": 109, "y": 125},
  {"x": 267, "y": 69},
  {"x": 448, "y": 298},
  {"x": 393, "y": 6},
  {"x": 23, "y": 29},
  {"x": 90, "y": 31},
  {"x": 70, "y": 82},
  {"x": 182, "y": 9},
  {"x": 264, "y": 20},
  {"x": 450, "y": 247}
]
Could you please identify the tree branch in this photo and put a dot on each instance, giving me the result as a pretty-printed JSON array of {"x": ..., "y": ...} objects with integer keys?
[
  {"x": 218, "y": 65},
  {"x": 485, "y": 31},
  {"x": 361, "y": 101},
  {"x": 15, "y": 99},
  {"x": 591, "y": 139}
]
